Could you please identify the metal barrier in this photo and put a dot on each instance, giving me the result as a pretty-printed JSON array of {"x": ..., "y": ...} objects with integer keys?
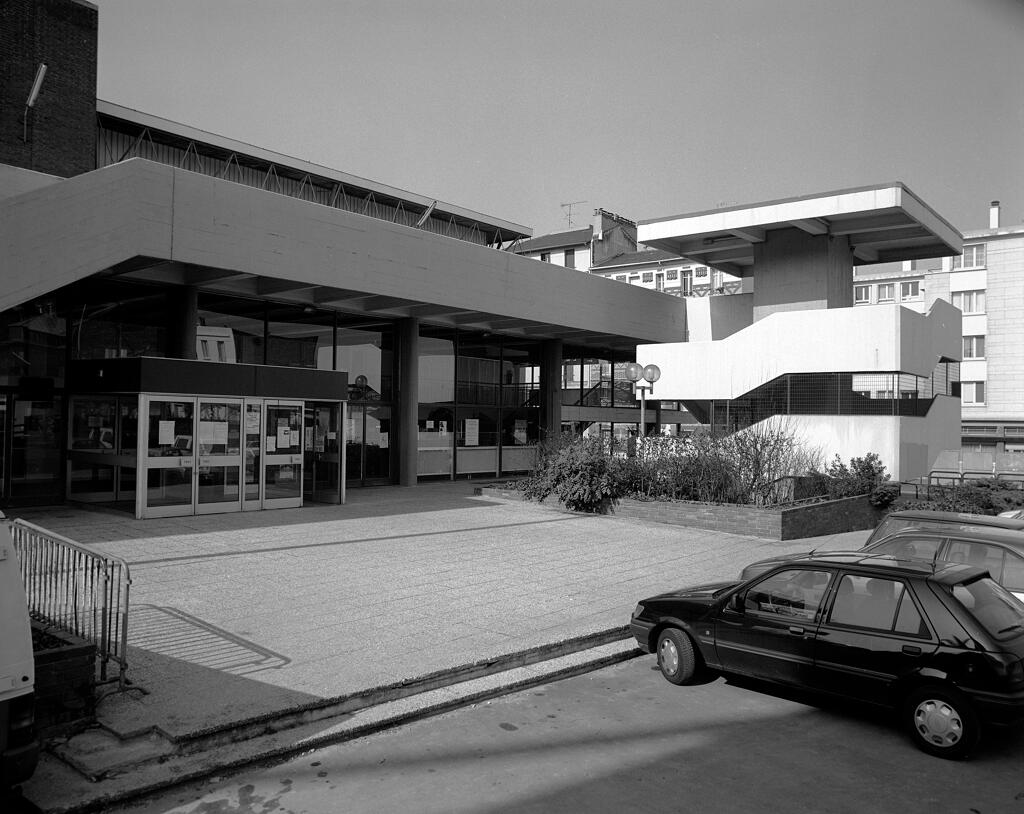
[{"x": 76, "y": 590}]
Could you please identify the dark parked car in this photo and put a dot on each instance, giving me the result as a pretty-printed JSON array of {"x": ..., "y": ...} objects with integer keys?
[
  {"x": 941, "y": 643},
  {"x": 902, "y": 521},
  {"x": 998, "y": 551}
]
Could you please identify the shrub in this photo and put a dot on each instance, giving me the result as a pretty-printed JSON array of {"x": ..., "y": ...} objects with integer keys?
[
  {"x": 576, "y": 472},
  {"x": 861, "y": 477},
  {"x": 884, "y": 494},
  {"x": 975, "y": 497}
]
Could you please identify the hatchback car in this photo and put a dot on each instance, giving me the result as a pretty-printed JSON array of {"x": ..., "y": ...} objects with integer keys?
[
  {"x": 905, "y": 520},
  {"x": 940, "y": 643}
]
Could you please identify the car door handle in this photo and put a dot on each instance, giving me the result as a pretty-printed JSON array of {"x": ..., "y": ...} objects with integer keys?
[
  {"x": 796, "y": 630},
  {"x": 911, "y": 649}
]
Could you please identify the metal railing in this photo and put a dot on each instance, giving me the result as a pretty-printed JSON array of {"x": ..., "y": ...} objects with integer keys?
[{"x": 76, "y": 590}]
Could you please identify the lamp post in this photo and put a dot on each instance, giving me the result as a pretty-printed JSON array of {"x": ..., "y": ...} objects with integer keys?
[{"x": 650, "y": 374}]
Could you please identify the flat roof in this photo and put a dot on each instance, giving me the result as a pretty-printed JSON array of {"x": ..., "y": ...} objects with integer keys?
[
  {"x": 509, "y": 230},
  {"x": 884, "y": 223}
]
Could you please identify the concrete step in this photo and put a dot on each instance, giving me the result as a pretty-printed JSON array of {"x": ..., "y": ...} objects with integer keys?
[{"x": 97, "y": 769}]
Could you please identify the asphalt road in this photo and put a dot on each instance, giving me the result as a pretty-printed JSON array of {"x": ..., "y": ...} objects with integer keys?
[{"x": 623, "y": 739}]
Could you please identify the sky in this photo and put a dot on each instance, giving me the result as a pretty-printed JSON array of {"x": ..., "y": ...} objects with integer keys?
[{"x": 651, "y": 108}]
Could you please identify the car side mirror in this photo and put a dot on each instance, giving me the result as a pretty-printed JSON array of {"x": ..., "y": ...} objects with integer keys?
[{"x": 738, "y": 602}]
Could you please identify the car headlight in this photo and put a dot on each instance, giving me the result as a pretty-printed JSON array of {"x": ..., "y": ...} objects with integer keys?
[{"x": 639, "y": 609}]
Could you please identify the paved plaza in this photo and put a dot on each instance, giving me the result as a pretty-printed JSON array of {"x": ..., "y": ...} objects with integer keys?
[{"x": 237, "y": 616}]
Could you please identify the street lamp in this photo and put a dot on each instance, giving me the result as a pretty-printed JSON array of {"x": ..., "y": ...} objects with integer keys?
[{"x": 650, "y": 374}]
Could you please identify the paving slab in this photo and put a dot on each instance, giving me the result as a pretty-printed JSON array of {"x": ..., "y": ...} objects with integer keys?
[{"x": 235, "y": 617}]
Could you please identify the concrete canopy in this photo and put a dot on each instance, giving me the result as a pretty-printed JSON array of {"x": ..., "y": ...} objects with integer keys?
[
  {"x": 884, "y": 223},
  {"x": 145, "y": 221}
]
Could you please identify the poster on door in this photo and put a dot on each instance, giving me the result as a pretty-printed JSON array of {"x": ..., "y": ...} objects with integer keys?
[{"x": 472, "y": 432}]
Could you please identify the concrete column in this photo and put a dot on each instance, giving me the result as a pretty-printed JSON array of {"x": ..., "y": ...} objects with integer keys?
[
  {"x": 798, "y": 271},
  {"x": 408, "y": 399},
  {"x": 550, "y": 388},
  {"x": 182, "y": 319}
]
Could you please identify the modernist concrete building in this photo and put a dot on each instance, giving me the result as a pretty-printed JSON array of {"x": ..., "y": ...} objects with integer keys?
[
  {"x": 986, "y": 282},
  {"x": 191, "y": 324},
  {"x": 850, "y": 380}
]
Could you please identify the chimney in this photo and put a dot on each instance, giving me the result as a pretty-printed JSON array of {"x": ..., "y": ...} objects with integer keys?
[{"x": 993, "y": 215}]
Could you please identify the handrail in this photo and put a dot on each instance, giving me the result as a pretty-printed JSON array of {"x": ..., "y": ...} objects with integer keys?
[{"x": 76, "y": 590}]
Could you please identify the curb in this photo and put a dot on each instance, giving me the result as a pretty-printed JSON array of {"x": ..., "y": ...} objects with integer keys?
[{"x": 397, "y": 704}]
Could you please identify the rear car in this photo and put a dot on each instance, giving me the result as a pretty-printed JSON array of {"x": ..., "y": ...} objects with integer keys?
[
  {"x": 940, "y": 644},
  {"x": 19, "y": 749},
  {"x": 897, "y": 522}
]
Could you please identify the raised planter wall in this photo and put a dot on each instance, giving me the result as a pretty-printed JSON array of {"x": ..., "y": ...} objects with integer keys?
[
  {"x": 65, "y": 686},
  {"x": 773, "y": 523}
]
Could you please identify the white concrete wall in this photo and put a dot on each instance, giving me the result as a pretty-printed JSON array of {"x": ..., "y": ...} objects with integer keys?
[
  {"x": 861, "y": 340},
  {"x": 712, "y": 318},
  {"x": 15, "y": 180},
  {"x": 907, "y": 446}
]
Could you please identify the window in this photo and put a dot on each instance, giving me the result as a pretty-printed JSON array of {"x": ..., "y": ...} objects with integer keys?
[
  {"x": 885, "y": 292},
  {"x": 672, "y": 274},
  {"x": 884, "y": 394},
  {"x": 861, "y": 294},
  {"x": 921, "y": 548},
  {"x": 972, "y": 392},
  {"x": 620, "y": 278},
  {"x": 970, "y": 302},
  {"x": 972, "y": 258},
  {"x": 648, "y": 276},
  {"x": 992, "y": 605},
  {"x": 1013, "y": 573},
  {"x": 545, "y": 257},
  {"x": 876, "y": 603},
  {"x": 701, "y": 273},
  {"x": 974, "y": 347},
  {"x": 634, "y": 279},
  {"x": 794, "y": 593},
  {"x": 910, "y": 290}
]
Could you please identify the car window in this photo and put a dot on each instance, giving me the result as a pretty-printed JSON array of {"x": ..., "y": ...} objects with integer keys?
[
  {"x": 876, "y": 603},
  {"x": 995, "y": 608},
  {"x": 1013, "y": 572},
  {"x": 795, "y": 593},
  {"x": 981, "y": 555},
  {"x": 922, "y": 548},
  {"x": 890, "y": 526}
]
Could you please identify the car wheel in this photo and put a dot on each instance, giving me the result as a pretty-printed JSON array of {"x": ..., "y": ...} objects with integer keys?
[
  {"x": 676, "y": 657},
  {"x": 941, "y": 722}
]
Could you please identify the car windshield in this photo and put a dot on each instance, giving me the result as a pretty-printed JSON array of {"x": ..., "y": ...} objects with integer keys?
[{"x": 995, "y": 608}]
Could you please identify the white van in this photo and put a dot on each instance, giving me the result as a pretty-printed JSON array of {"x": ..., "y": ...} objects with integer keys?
[{"x": 19, "y": 749}]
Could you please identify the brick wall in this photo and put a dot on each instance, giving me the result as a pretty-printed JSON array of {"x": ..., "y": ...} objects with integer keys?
[
  {"x": 788, "y": 523},
  {"x": 62, "y": 125}
]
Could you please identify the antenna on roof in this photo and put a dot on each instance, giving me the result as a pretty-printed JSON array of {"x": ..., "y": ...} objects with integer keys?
[{"x": 568, "y": 210}]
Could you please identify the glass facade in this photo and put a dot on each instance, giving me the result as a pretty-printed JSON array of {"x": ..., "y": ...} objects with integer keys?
[{"x": 479, "y": 411}]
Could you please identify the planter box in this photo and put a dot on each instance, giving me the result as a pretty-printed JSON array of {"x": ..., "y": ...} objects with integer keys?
[
  {"x": 65, "y": 683},
  {"x": 772, "y": 523}
]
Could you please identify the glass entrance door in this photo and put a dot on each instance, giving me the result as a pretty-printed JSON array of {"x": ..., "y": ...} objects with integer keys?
[
  {"x": 167, "y": 457},
  {"x": 282, "y": 454},
  {"x": 323, "y": 482},
  {"x": 252, "y": 497},
  {"x": 219, "y": 456},
  {"x": 368, "y": 445}
]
